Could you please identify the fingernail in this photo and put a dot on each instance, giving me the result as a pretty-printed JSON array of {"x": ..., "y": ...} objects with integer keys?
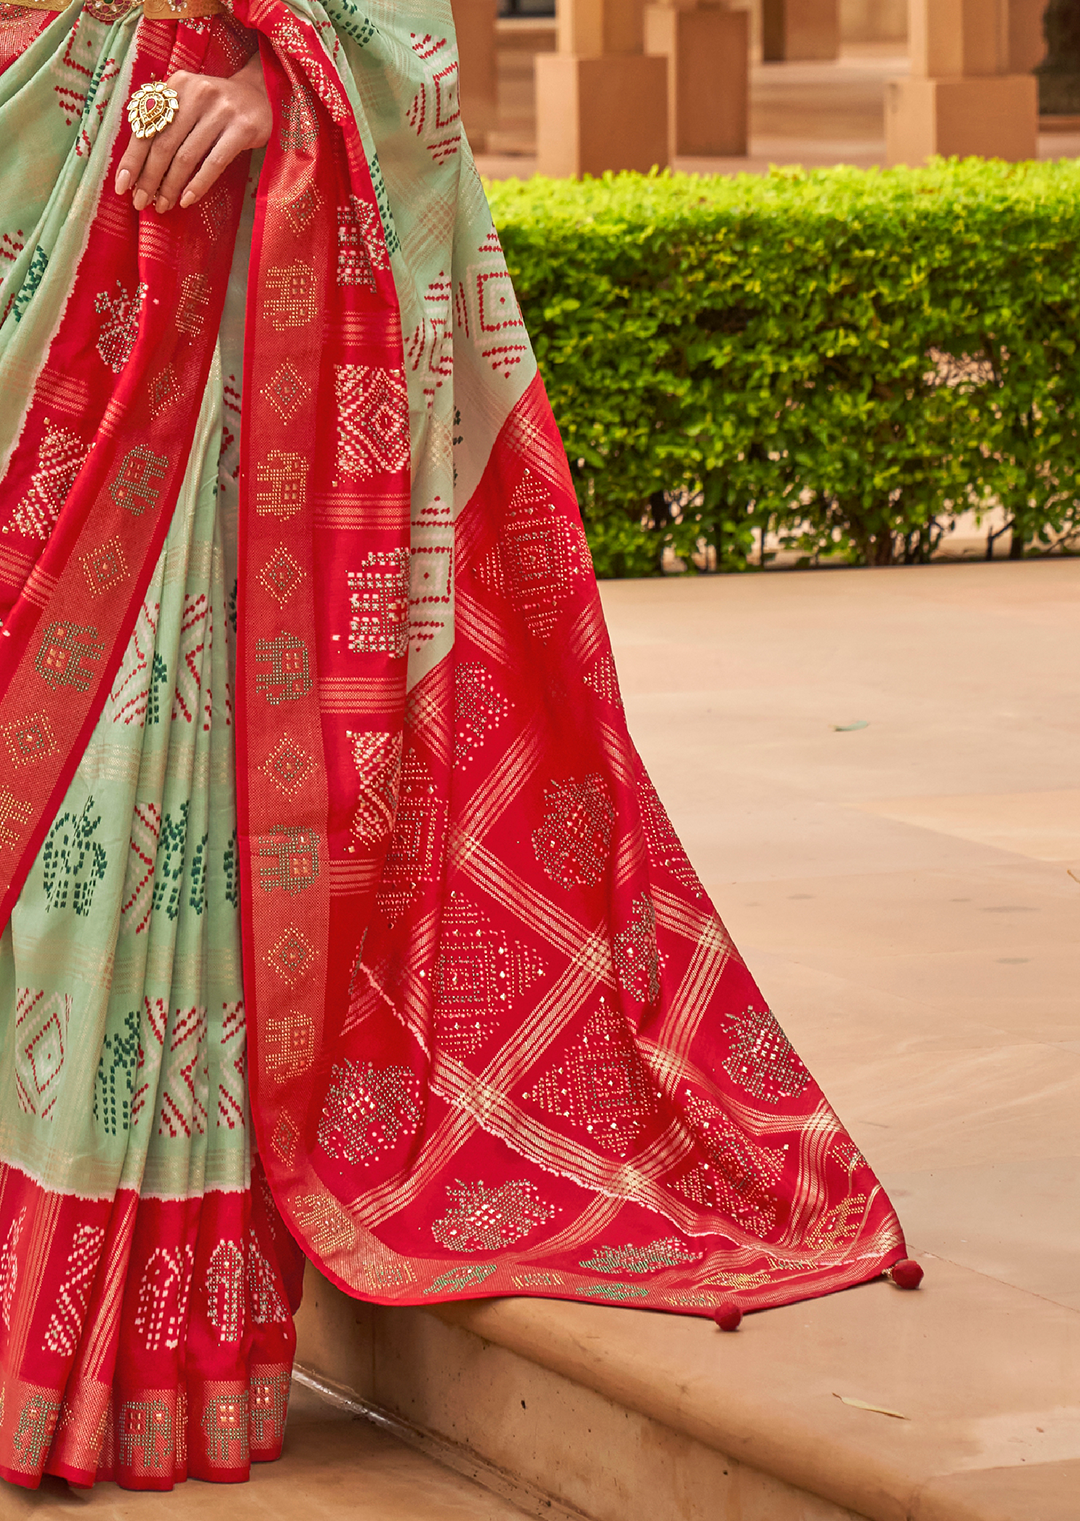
[
  {"x": 187, "y": 198},
  {"x": 140, "y": 199},
  {"x": 161, "y": 205},
  {"x": 123, "y": 180}
]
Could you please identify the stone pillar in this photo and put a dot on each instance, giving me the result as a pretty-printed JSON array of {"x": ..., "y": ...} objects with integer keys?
[
  {"x": 708, "y": 77},
  {"x": 1059, "y": 72},
  {"x": 1027, "y": 42},
  {"x": 474, "y": 21},
  {"x": 962, "y": 97},
  {"x": 804, "y": 30},
  {"x": 601, "y": 102},
  {"x": 873, "y": 21}
]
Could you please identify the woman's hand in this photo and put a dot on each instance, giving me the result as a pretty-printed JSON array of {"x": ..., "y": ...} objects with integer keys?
[{"x": 217, "y": 119}]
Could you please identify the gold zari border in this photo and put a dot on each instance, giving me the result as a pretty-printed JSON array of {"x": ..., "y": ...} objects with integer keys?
[{"x": 153, "y": 10}]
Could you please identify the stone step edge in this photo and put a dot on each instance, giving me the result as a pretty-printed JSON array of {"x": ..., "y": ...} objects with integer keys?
[
  {"x": 462, "y": 1460},
  {"x": 877, "y": 1476}
]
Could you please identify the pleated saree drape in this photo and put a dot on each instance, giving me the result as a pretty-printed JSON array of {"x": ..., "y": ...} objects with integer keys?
[{"x": 340, "y": 912}]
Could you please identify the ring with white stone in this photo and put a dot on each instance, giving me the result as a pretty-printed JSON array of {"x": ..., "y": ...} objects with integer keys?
[{"x": 152, "y": 108}]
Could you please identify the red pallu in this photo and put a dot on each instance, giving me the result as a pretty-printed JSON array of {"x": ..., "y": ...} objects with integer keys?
[{"x": 500, "y": 1041}]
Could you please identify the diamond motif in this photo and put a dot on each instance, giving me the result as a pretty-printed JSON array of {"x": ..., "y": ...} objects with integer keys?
[
  {"x": 540, "y": 554},
  {"x": 292, "y": 957},
  {"x": 479, "y": 708},
  {"x": 281, "y": 575},
  {"x": 303, "y": 207},
  {"x": 480, "y": 975},
  {"x": 286, "y": 390},
  {"x": 763, "y": 1060},
  {"x": 373, "y": 420},
  {"x": 573, "y": 841},
  {"x": 288, "y": 766},
  {"x": 29, "y": 739},
  {"x": 104, "y": 567},
  {"x": 739, "y": 1175},
  {"x": 603, "y": 1085},
  {"x": 415, "y": 853},
  {"x": 487, "y": 1219}
]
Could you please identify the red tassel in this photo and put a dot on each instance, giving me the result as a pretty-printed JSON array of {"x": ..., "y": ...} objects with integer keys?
[
  {"x": 728, "y": 1316},
  {"x": 906, "y": 1274}
]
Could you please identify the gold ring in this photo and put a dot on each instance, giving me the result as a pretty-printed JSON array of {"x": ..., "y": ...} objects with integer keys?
[{"x": 152, "y": 108}]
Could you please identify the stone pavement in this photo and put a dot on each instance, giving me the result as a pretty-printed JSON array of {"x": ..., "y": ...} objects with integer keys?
[
  {"x": 902, "y": 892},
  {"x": 335, "y": 1468},
  {"x": 875, "y": 772}
]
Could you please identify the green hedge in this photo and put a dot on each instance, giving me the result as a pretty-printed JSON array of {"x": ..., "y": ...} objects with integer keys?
[{"x": 846, "y": 359}]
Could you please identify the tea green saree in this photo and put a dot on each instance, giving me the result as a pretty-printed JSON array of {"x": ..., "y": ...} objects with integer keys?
[{"x": 341, "y": 918}]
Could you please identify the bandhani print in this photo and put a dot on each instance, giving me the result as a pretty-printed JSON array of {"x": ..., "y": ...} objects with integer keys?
[{"x": 345, "y": 922}]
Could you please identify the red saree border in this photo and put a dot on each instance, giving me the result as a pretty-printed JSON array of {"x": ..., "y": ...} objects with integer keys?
[
  {"x": 321, "y": 678},
  {"x": 149, "y": 1340},
  {"x": 123, "y": 417},
  {"x": 368, "y": 1241},
  {"x": 356, "y": 900},
  {"x": 318, "y": 248}
]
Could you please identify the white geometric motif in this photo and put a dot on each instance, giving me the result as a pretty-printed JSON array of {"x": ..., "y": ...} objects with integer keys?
[
  {"x": 373, "y": 420},
  {"x": 232, "y": 1087},
  {"x": 739, "y": 1175},
  {"x": 130, "y": 695},
  {"x": 138, "y": 897},
  {"x": 540, "y": 554},
  {"x": 60, "y": 457},
  {"x": 225, "y": 1291},
  {"x": 488, "y": 1219},
  {"x": 183, "y": 1107},
  {"x": 151, "y": 1041},
  {"x": 161, "y": 1305},
  {"x": 378, "y": 761},
  {"x": 367, "y": 1110},
  {"x": 9, "y": 1267},
  {"x": 379, "y": 603},
  {"x": 361, "y": 247},
  {"x": 41, "y": 1026},
  {"x": 479, "y": 708},
  {"x": 196, "y": 635},
  {"x": 119, "y": 324},
  {"x": 267, "y": 1306},
  {"x": 65, "y": 1324}
]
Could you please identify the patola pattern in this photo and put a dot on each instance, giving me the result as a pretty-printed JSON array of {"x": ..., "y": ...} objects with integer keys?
[{"x": 490, "y": 1032}]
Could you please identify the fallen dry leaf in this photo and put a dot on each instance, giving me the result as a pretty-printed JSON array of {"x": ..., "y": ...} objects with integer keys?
[{"x": 846, "y": 1399}]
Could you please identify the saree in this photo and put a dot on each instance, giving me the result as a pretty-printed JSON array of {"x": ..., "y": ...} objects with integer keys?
[{"x": 341, "y": 920}]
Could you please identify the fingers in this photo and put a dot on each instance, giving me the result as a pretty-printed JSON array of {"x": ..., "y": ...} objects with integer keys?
[
  {"x": 192, "y": 129},
  {"x": 209, "y": 140},
  {"x": 214, "y": 164},
  {"x": 131, "y": 165},
  {"x": 217, "y": 119}
]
